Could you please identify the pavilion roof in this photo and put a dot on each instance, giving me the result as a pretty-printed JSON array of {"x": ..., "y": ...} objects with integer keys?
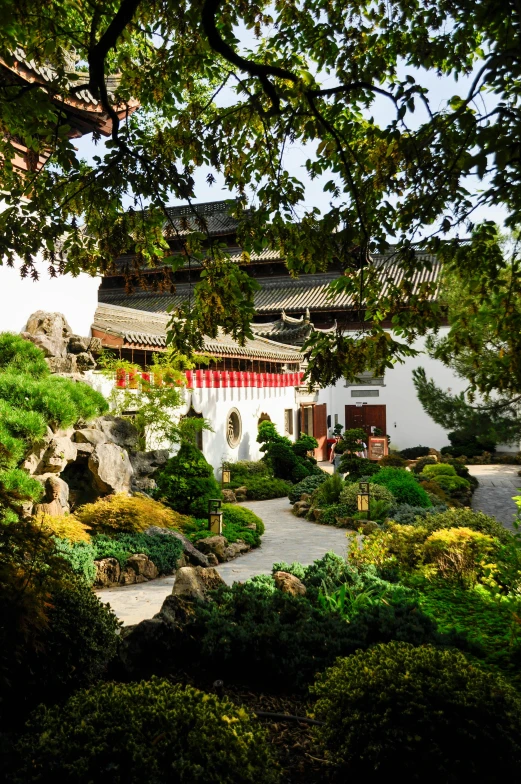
[{"x": 141, "y": 329}]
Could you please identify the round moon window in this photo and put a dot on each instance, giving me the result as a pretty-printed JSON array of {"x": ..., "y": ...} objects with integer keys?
[{"x": 234, "y": 428}]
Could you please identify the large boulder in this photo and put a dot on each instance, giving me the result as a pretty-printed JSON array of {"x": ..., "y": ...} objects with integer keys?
[
  {"x": 118, "y": 431},
  {"x": 229, "y": 496},
  {"x": 89, "y": 435},
  {"x": 111, "y": 469},
  {"x": 108, "y": 572},
  {"x": 288, "y": 583},
  {"x": 213, "y": 544},
  {"x": 194, "y": 555},
  {"x": 234, "y": 549},
  {"x": 60, "y": 452},
  {"x": 56, "y": 499},
  {"x": 142, "y": 565},
  {"x": 194, "y": 582},
  {"x": 145, "y": 465},
  {"x": 34, "y": 459},
  {"x": 48, "y": 331}
]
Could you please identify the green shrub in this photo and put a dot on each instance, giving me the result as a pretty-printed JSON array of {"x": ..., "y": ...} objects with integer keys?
[
  {"x": 145, "y": 732},
  {"x": 287, "y": 460},
  {"x": 392, "y": 460},
  {"x": 330, "y": 515},
  {"x": 458, "y": 554},
  {"x": 405, "y": 514},
  {"x": 72, "y": 652},
  {"x": 328, "y": 492},
  {"x": 412, "y": 452},
  {"x": 307, "y": 485},
  {"x": 236, "y": 520},
  {"x": 241, "y": 517},
  {"x": 377, "y": 492},
  {"x": 432, "y": 472},
  {"x": 163, "y": 550},
  {"x": 357, "y": 467},
  {"x": 427, "y": 713},
  {"x": 186, "y": 482},
  {"x": 261, "y": 488},
  {"x": 246, "y": 468},
  {"x": 277, "y": 641},
  {"x": 422, "y": 462},
  {"x": 403, "y": 485},
  {"x": 21, "y": 356},
  {"x": 476, "y": 521},
  {"x": 452, "y": 484},
  {"x": 80, "y": 556}
]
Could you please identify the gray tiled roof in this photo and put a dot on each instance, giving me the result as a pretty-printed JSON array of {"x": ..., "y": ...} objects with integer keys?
[
  {"x": 26, "y": 68},
  {"x": 143, "y": 329},
  {"x": 211, "y": 217},
  {"x": 293, "y": 331},
  {"x": 284, "y": 293}
]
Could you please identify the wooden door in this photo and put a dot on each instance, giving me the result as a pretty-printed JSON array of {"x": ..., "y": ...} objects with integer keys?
[
  {"x": 366, "y": 417},
  {"x": 320, "y": 430}
]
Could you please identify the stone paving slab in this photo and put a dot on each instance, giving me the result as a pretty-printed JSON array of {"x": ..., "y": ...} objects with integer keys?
[
  {"x": 497, "y": 485},
  {"x": 287, "y": 538}
]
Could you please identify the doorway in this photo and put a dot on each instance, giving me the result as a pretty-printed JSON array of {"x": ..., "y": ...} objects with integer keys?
[{"x": 367, "y": 418}]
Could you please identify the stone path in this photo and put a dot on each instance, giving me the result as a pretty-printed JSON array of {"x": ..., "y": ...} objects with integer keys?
[
  {"x": 497, "y": 485},
  {"x": 287, "y": 538}
]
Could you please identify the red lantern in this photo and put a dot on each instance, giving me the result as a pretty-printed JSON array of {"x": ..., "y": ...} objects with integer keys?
[
  {"x": 208, "y": 379},
  {"x": 198, "y": 379},
  {"x": 216, "y": 378},
  {"x": 121, "y": 378},
  {"x": 133, "y": 379},
  {"x": 189, "y": 379},
  {"x": 225, "y": 379}
]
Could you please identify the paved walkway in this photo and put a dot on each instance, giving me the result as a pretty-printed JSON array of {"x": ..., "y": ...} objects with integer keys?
[
  {"x": 497, "y": 485},
  {"x": 287, "y": 538}
]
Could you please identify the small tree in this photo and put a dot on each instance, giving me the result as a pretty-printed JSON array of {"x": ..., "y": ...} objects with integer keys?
[
  {"x": 350, "y": 444},
  {"x": 287, "y": 460}
]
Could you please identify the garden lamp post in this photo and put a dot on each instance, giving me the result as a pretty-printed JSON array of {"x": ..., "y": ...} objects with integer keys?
[
  {"x": 363, "y": 497},
  {"x": 225, "y": 476},
  {"x": 215, "y": 516}
]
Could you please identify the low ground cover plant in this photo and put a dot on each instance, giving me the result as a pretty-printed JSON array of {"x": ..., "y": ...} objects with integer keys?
[
  {"x": 127, "y": 514},
  {"x": 426, "y": 712},
  {"x": 148, "y": 731},
  {"x": 238, "y": 523}
]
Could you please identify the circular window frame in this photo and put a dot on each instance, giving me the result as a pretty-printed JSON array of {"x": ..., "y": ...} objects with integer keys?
[{"x": 234, "y": 439}]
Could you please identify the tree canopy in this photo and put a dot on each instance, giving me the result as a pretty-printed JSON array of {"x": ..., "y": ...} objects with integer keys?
[{"x": 228, "y": 87}]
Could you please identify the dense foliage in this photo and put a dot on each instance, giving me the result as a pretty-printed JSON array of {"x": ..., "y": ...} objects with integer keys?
[
  {"x": 238, "y": 523},
  {"x": 307, "y": 485},
  {"x": 163, "y": 551},
  {"x": 377, "y": 492},
  {"x": 413, "y": 452},
  {"x": 429, "y": 714},
  {"x": 127, "y": 514},
  {"x": 71, "y": 651},
  {"x": 287, "y": 459},
  {"x": 403, "y": 485},
  {"x": 186, "y": 482},
  {"x": 387, "y": 173},
  {"x": 31, "y": 399},
  {"x": 149, "y": 731}
]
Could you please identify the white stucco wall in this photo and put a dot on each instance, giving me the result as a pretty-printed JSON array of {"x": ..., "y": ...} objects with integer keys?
[
  {"x": 407, "y": 423},
  {"x": 76, "y": 298},
  {"x": 216, "y": 404}
]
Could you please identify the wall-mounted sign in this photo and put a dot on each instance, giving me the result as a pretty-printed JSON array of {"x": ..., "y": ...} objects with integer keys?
[{"x": 377, "y": 447}]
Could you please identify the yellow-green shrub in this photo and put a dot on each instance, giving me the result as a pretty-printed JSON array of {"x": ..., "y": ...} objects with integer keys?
[
  {"x": 65, "y": 527},
  {"x": 397, "y": 544},
  {"x": 130, "y": 514},
  {"x": 458, "y": 554}
]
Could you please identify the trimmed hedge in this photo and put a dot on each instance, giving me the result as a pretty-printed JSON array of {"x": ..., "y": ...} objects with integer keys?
[
  {"x": 308, "y": 485},
  {"x": 424, "y": 713},
  {"x": 413, "y": 452},
  {"x": 145, "y": 732},
  {"x": 403, "y": 485}
]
